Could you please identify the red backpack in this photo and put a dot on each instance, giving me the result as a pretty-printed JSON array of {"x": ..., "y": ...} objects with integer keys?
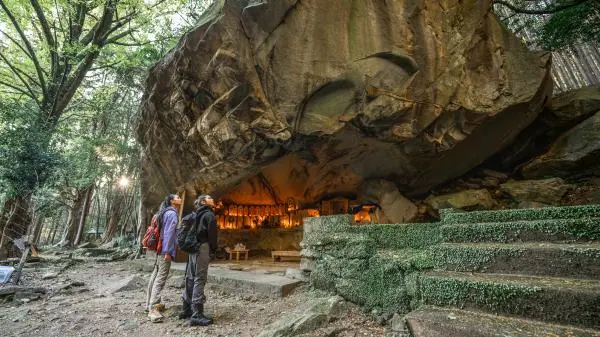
[{"x": 152, "y": 239}]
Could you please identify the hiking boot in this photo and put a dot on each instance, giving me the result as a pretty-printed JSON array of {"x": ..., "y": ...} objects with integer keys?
[
  {"x": 198, "y": 318},
  {"x": 155, "y": 316},
  {"x": 186, "y": 311},
  {"x": 160, "y": 307}
]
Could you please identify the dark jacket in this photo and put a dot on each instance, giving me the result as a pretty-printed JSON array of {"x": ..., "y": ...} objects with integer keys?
[{"x": 207, "y": 219}]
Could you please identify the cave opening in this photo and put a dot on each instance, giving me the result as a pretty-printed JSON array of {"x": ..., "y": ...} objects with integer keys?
[{"x": 265, "y": 211}]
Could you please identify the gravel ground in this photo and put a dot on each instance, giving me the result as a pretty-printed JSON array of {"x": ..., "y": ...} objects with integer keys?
[{"x": 98, "y": 308}]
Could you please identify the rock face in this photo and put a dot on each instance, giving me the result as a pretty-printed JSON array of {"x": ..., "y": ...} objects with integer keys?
[
  {"x": 466, "y": 200},
  {"x": 578, "y": 150},
  {"x": 311, "y": 316},
  {"x": 396, "y": 208},
  {"x": 563, "y": 112},
  {"x": 340, "y": 92},
  {"x": 546, "y": 191}
]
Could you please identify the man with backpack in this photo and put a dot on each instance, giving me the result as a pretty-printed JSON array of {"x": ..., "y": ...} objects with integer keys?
[
  {"x": 165, "y": 253},
  {"x": 201, "y": 248}
]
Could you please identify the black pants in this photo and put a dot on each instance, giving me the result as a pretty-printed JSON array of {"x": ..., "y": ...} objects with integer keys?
[{"x": 196, "y": 273}]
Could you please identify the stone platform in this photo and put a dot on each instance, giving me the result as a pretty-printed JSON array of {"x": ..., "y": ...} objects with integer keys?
[{"x": 259, "y": 282}]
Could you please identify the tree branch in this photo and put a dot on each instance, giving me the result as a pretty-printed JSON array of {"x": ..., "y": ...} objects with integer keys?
[
  {"x": 32, "y": 54},
  {"x": 16, "y": 43},
  {"x": 121, "y": 35},
  {"x": 17, "y": 89},
  {"x": 550, "y": 9},
  {"x": 47, "y": 35},
  {"x": 44, "y": 23},
  {"x": 17, "y": 73}
]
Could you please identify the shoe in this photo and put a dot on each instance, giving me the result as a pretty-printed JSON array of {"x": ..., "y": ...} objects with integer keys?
[
  {"x": 198, "y": 318},
  {"x": 155, "y": 316},
  {"x": 160, "y": 307},
  {"x": 186, "y": 311}
]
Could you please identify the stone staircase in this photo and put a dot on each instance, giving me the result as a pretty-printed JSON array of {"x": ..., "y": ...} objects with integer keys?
[{"x": 532, "y": 272}]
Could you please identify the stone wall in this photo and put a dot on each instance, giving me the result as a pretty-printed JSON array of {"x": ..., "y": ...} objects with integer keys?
[
  {"x": 372, "y": 265},
  {"x": 262, "y": 241},
  {"x": 386, "y": 269}
]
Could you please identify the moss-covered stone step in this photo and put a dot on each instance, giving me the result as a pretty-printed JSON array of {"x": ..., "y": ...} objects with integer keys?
[
  {"x": 430, "y": 321},
  {"x": 561, "y": 230},
  {"x": 450, "y": 216},
  {"x": 401, "y": 236},
  {"x": 554, "y": 300},
  {"x": 543, "y": 259}
]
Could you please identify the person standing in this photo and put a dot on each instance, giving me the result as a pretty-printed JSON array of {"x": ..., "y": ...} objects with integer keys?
[
  {"x": 196, "y": 270},
  {"x": 168, "y": 220}
]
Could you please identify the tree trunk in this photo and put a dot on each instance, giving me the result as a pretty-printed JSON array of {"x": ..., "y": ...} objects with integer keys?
[
  {"x": 55, "y": 229},
  {"x": 86, "y": 208},
  {"x": 113, "y": 218},
  {"x": 16, "y": 224},
  {"x": 75, "y": 213},
  {"x": 36, "y": 230},
  {"x": 7, "y": 207}
]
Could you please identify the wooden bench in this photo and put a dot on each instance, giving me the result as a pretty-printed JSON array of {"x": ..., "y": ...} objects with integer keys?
[
  {"x": 278, "y": 254},
  {"x": 237, "y": 254}
]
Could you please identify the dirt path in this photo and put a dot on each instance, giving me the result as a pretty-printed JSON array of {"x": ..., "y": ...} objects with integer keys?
[{"x": 111, "y": 303}]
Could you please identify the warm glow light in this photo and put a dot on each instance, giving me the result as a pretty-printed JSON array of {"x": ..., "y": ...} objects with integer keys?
[{"x": 124, "y": 181}]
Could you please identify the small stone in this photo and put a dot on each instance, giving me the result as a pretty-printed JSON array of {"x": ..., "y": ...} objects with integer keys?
[
  {"x": 49, "y": 276},
  {"x": 397, "y": 323}
]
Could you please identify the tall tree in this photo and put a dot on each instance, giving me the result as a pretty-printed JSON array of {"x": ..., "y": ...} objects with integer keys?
[
  {"x": 557, "y": 23},
  {"x": 47, "y": 49}
]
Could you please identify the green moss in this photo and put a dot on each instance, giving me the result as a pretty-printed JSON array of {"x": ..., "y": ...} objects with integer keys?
[
  {"x": 468, "y": 258},
  {"x": 387, "y": 267},
  {"x": 532, "y": 214},
  {"x": 401, "y": 236},
  {"x": 449, "y": 291},
  {"x": 332, "y": 224},
  {"x": 550, "y": 230},
  {"x": 321, "y": 278}
]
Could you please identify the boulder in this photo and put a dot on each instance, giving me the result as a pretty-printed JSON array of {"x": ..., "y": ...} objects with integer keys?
[
  {"x": 395, "y": 207},
  {"x": 319, "y": 96},
  {"x": 546, "y": 191},
  {"x": 564, "y": 112},
  {"x": 576, "y": 152},
  {"x": 467, "y": 200},
  {"x": 309, "y": 317},
  {"x": 575, "y": 105}
]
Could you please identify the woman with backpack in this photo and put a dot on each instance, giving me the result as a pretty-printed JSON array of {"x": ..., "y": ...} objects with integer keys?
[
  {"x": 167, "y": 222},
  {"x": 196, "y": 271}
]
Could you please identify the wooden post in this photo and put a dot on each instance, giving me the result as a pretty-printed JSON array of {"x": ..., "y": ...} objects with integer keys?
[{"x": 22, "y": 264}]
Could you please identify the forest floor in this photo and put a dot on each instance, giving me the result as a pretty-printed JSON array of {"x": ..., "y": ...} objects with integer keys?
[{"x": 107, "y": 299}]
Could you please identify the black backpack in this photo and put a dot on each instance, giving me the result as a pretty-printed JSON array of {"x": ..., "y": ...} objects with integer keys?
[{"x": 191, "y": 232}]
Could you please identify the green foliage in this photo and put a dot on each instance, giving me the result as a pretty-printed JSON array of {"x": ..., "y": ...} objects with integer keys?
[
  {"x": 572, "y": 25},
  {"x": 552, "y": 25},
  {"x": 71, "y": 80},
  {"x": 26, "y": 154}
]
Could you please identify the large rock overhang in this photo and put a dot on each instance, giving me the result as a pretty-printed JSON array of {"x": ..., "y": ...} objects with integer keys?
[{"x": 416, "y": 92}]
